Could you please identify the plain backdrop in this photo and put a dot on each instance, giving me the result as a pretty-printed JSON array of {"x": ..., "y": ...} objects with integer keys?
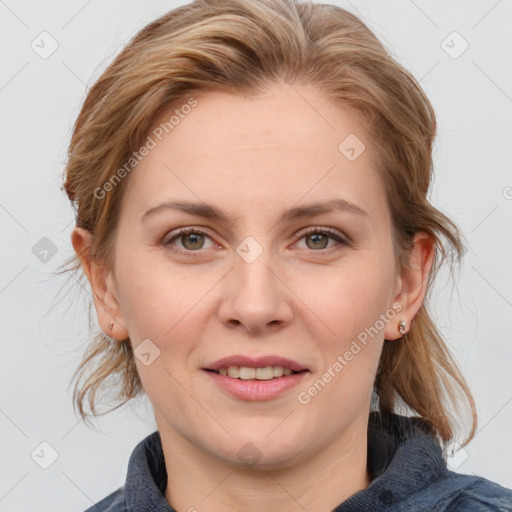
[{"x": 459, "y": 50}]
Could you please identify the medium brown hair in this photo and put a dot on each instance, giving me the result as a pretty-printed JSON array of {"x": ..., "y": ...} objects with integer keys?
[{"x": 241, "y": 47}]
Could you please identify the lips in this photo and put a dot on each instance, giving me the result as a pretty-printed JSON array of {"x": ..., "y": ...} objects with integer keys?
[{"x": 255, "y": 379}]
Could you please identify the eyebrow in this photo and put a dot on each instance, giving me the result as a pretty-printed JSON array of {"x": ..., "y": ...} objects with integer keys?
[{"x": 208, "y": 211}]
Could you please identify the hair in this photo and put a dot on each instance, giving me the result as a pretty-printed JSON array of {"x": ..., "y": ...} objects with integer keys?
[{"x": 241, "y": 47}]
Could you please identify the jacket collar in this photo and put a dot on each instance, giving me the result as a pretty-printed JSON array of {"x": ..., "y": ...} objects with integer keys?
[
  {"x": 403, "y": 459},
  {"x": 147, "y": 477}
]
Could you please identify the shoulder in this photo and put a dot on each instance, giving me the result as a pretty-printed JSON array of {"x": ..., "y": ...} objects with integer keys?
[
  {"x": 145, "y": 482},
  {"x": 476, "y": 494},
  {"x": 114, "y": 502}
]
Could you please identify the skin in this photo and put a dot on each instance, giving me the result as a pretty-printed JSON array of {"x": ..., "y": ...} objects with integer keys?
[{"x": 254, "y": 159}]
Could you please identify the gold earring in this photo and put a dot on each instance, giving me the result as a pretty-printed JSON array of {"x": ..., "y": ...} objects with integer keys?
[
  {"x": 401, "y": 326},
  {"x": 111, "y": 326}
]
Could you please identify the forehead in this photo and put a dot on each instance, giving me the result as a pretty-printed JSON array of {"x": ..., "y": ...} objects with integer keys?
[
  {"x": 281, "y": 147},
  {"x": 291, "y": 117}
]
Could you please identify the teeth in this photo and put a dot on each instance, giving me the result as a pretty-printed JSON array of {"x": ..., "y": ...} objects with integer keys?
[
  {"x": 277, "y": 371},
  {"x": 266, "y": 373},
  {"x": 234, "y": 371},
  {"x": 248, "y": 373}
]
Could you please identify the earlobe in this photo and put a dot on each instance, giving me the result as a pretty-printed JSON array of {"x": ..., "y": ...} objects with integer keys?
[
  {"x": 414, "y": 284},
  {"x": 106, "y": 303}
]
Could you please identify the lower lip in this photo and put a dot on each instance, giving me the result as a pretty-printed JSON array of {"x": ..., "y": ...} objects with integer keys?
[{"x": 256, "y": 389}]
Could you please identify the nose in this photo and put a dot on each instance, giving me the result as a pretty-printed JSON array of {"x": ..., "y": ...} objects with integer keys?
[{"x": 255, "y": 295}]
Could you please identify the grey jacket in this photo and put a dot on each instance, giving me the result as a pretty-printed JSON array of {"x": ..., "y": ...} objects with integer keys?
[{"x": 409, "y": 474}]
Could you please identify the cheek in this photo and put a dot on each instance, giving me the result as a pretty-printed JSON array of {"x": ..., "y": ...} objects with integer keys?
[
  {"x": 354, "y": 302},
  {"x": 351, "y": 306},
  {"x": 353, "y": 294},
  {"x": 157, "y": 296}
]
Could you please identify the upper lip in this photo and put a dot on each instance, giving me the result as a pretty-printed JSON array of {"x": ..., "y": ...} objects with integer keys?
[{"x": 256, "y": 362}]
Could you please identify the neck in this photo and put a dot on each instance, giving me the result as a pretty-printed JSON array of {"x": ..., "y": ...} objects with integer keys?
[{"x": 199, "y": 482}]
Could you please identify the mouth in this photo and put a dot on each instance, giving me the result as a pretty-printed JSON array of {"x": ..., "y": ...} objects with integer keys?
[{"x": 256, "y": 379}]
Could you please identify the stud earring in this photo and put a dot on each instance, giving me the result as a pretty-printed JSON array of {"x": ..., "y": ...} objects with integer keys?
[
  {"x": 111, "y": 326},
  {"x": 401, "y": 326}
]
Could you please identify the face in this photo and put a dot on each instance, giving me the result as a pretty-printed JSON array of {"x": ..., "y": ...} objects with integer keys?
[{"x": 256, "y": 282}]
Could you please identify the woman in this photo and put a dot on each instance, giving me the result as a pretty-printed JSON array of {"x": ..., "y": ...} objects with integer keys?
[{"x": 250, "y": 181}]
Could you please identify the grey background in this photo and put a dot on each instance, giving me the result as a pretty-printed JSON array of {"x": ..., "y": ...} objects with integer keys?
[{"x": 42, "y": 338}]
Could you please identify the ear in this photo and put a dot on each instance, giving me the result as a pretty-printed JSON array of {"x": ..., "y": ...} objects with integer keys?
[
  {"x": 412, "y": 284},
  {"x": 102, "y": 283}
]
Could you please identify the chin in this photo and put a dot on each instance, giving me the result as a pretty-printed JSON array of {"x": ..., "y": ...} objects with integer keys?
[{"x": 261, "y": 450}]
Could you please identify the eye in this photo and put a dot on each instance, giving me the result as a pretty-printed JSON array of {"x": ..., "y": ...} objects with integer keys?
[
  {"x": 318, "y": 238},
  {"x": 191, "y": 239}
]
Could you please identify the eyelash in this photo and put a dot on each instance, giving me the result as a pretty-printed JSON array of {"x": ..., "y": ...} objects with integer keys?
[{"x": 333, "y": 235}]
